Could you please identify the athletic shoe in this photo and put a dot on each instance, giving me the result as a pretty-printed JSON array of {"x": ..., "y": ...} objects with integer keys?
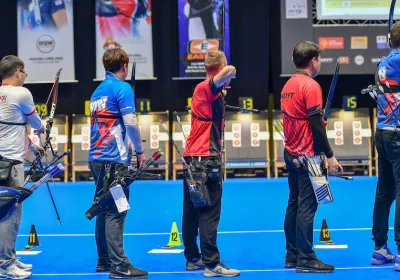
[
  {"x": 397, "y": 263},
  {"x": 290, "y": 261},
  {"x": 221, "y": 270},
  {"x": 382, "y": 256},
  {"x": 196, "y": 264},
  {"x": 290, "y": 264},
  {"x": 103, "y": 266},
  {"x": 313, "y": 266},
  {"x": 127, "y": 272},
  {"x": 23, "y": 266},
  {"x": 13, "y": 272}
]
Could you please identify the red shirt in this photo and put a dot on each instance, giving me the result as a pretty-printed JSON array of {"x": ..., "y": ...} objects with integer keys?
[
  {"x": 207, "y": 121},
  {"x": 301, "y": 97}
]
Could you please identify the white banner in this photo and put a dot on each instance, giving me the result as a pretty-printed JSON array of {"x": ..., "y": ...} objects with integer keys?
[
  {"x": 45, "y": 39},
  {"x": 125, "y": 24}
]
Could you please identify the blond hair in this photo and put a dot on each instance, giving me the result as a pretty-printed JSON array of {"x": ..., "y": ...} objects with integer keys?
[{"x": 214, "y": 60}]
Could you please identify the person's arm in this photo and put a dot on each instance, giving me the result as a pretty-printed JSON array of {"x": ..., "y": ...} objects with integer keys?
[
  {"x": 321, "y": 143},
  {"x": 314, "y": 110},
  {"x": 28, "y": 108},
  {"x": 224, "y": 76},
  {"x": 59, "y": 13},
  {"x": 127, "y": 108},
  {"x": 132, "y": 128}
]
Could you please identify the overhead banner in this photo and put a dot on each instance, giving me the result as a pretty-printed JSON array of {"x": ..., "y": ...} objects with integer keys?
[
  {"x": 126, "y": 24},
  {"x": 200, "y": 25},
  {"x": 45, "y": 39}
]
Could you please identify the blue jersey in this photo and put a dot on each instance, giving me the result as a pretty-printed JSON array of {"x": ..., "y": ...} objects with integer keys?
[
  {"x": 42, "y": 16},
  {"x": 389, "y": 103},
  {"x": 108, "y": 139}
]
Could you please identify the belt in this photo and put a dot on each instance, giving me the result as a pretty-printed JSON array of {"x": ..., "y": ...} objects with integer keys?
[{"x": 390, "y": 89}]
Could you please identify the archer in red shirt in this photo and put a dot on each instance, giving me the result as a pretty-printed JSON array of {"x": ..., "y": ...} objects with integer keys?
[
  {"x": 305, "y": 134},
  {"x": 204, "y": 144}
]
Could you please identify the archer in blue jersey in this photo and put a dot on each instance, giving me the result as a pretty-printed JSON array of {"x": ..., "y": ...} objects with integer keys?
[
  {"x": 114, "y": 129},
  {"x": 387, "y": 141}
]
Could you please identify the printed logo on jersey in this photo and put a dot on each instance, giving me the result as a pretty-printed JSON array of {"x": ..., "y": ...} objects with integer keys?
[
  {"x": 331, "y": 42},
  {"x": 382, "y": 73},
  {"x": 99, "y": 104},
  {"x": 3, "y": 97},
  {"x": 359, "y": 42},
  {"x": 381, "y": 42}
]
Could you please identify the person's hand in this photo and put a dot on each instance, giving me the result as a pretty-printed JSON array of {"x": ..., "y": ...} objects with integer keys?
[
  {"x": 40, "y": 150},
  {"x": 334, "y": 165},
  {"x": 39, "y": 131},
  {"x": 37, "y": 149},
  {"x": 141, "y": 159}
]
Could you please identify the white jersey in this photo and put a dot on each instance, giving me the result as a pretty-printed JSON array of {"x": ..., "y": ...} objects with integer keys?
[{"x": 16, "y": 106}]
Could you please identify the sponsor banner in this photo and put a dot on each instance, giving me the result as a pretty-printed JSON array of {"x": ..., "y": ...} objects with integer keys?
[
  {"x": 126, "y": 24},
  {"x": 359, "y": 60},
  {"x": 376, "y": 60},
  {"x": 327, "y": 59},
  {"x": 200, "y": 25},
  {"x": 381, "y": 42},
  {"x": 359, "y": 42},
  {"x": 45, "y": 39},
  {"x": 331, "y": 42},
  {"x": 344, "y": 60}
]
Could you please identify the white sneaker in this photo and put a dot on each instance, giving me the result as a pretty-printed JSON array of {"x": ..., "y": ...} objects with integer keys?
[
  {"x": 221, "y": 270},
  {"x": 23, "y": 266},
  {"x": 13, "y": 272}
]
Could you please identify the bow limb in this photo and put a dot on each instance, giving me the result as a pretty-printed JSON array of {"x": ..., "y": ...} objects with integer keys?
[
  {"x": 47, "y": 144},
  {"x": 331, "y": 93},
  {"x": 391, "y": 14}
]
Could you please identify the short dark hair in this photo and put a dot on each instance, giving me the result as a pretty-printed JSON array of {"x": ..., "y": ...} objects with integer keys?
[
  {"x": 114, "y": 59},
  {"x": 395, "y": 35},
  {"x": 304, "y": 52},
  {"x": 9, "y": 64}
]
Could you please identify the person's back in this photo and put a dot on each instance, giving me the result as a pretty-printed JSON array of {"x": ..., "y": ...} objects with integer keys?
[
  {"x": 301, "y": 97},
  {"x": 15, "y": 103},
  {"x": 389, "y": 75},
  {"x": 205, "y": 137},
  {"x": 108, "y": 134}
]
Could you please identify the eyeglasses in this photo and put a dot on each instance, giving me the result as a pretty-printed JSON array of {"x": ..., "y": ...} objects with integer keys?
[{"x": 26, "y": 74}]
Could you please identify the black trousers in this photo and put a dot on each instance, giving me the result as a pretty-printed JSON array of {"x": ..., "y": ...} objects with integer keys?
[
  {"x": 206, "y": 219},
  {"x": 110, "y": 223},
  {"x": 388, "y": 187},
  {"x": 300, "y": 213}
]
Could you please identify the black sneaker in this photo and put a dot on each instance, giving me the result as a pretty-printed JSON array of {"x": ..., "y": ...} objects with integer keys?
[
  {"x": 127, "y": 272},
  {"x": 313, "y": 266},
  {"x": 290, "y": 261},
  {"x": 103, "y": 266},
  {"x": 290, "y": 264}
]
